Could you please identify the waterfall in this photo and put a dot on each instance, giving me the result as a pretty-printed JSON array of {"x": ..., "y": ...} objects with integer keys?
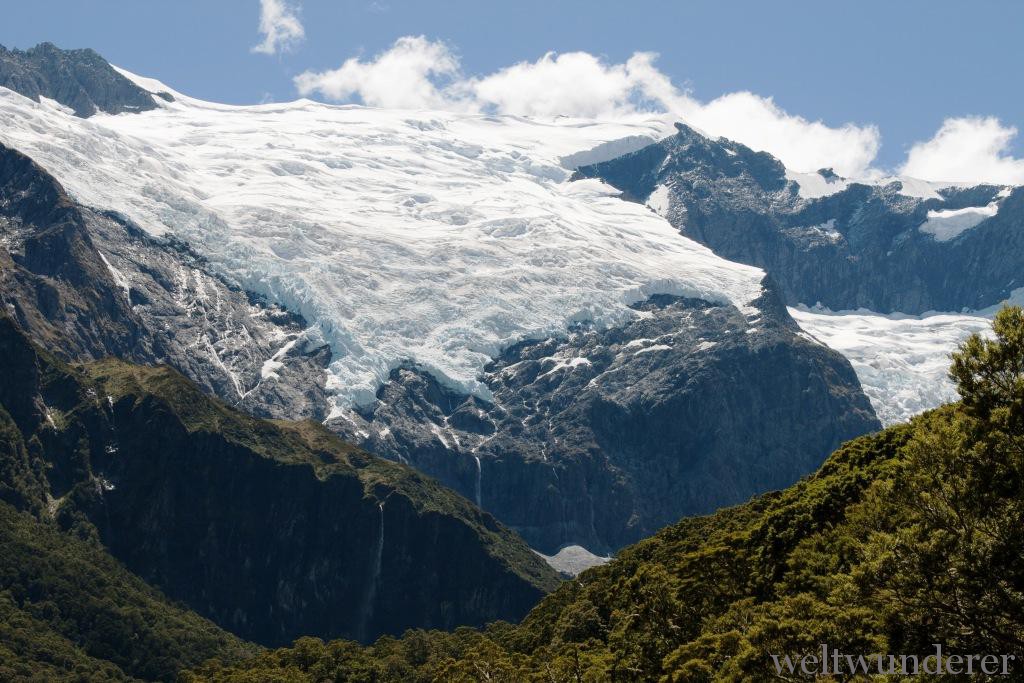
[
  {"x": 479, "y": 475},
  {"x": 370, "y": 596},
  {"x": 379, "y": 555}
]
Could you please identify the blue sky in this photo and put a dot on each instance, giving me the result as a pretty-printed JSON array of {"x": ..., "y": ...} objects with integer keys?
[{"x": 904, "y": 66}]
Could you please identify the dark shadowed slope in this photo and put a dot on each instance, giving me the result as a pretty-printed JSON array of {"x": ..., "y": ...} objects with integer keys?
[
  {"x": 271, "y": 529},
  {"x": 902, "y": 539},
  {"x": 902, "y": 245}
]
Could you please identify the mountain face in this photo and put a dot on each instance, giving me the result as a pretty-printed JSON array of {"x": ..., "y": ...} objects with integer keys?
[
  {"x": 597, "y": 438},
  {"x": 561, "y": 357},
  {"x": 604, "y": 436},
  {"x": 708, "y": 589},
  {"x": 78, "y": 79},
  {"x": 901, "y": 540},
  {"x": 89, "y": 284},
  {"x": 901, "y": 246},
  {"x": 271, "y": 529},
  {"x": 846, "y": 557}
]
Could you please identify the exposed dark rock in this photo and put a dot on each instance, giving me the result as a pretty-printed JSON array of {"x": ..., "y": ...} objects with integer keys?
[
  {"x": 860, "y": 247},
  {"x": 88, "y": 284},
  {"x": 586, "y": 442},
  {"x": 79, "y": 79},
  {"x": 605, "y": 436},
  {"x": 273, "y": 530}
]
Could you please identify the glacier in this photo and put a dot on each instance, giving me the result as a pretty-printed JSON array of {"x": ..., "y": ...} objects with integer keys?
[
  {"x": 423, "y": 237},
  {"x": 948, "y": 224},
  {"x": 436, "y": 238},
  {"x": 901, "y": 361}
]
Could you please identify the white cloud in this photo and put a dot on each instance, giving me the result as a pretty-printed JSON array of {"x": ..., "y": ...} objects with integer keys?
[
  {"x": 571, "y": 84},
  {"x": 414, "y": 73},
  {"x": 578, "y": 84},
  {"x": 280, "y": 26},
  {"x": 968, "y": 149},
  {"x": 419, "y": 73}
]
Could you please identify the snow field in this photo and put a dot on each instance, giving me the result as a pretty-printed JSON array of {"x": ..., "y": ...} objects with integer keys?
[{"x": 405, "y": 236}]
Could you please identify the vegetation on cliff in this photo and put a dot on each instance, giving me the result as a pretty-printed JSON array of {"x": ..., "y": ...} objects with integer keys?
[
  {"x": 69, "y": 611},
  {"x": 128, "y": 498},
  {"x": 902, "y": 539}
]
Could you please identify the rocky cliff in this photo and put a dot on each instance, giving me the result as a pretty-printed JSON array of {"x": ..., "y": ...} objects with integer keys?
[
  {"x": 88, "y": 284},
  {"x": 78, "y": 79},
  {"x": 271, "y": 529},
  {"x": 605, "y": 436},
  {"x": 900, "y": 245},
  {"x": 596, "y": 438}
]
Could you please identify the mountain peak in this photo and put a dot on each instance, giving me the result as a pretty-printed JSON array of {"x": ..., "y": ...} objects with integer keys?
[
  {"x": 686, "y": 131},
  {"x": 78, "y": 79}
]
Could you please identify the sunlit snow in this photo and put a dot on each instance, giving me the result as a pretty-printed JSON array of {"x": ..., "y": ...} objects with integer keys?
[
  {"x": 119, "y": 279},
  {"x": 406, "y": 236},
  {"x": 915, "y": 187},
  {"x": 815, "y": 185},
  {"x": 901, "y": 361},
  {"x": 946, "y": 224},
  {"x": 574, "y": 560},
  {"x": 660, "y": 200}
]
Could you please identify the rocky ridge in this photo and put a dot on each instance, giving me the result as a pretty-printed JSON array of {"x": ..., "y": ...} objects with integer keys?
[
  {"x": 89, "y": 284},
  {"x": 604, "y": 436},
  {"x": 78, "y": 79},
  {"x": 895, "y": 246},
  {"x": 597, "y": 437}
]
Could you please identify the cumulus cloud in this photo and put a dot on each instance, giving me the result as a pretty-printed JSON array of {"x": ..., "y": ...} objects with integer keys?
[
  {"x": 801, "y": 144},
  {"x": 579, "y": 84},
  {"x": 968, "y": 149},
  {"x": 571, "y": 84},
  {"x": 419, "y": 73},
  {"x": 280, "y": 27},
  {"x": 414, "y": 73}
]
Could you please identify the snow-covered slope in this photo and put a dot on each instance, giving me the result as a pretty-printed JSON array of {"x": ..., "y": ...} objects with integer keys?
[
  {"x": 817, "y": 185},
  {"x": 947, "y": 224},
  {"x": 408, "y": 236},
  {"x": 901, "y": 361},
  {"x": 574, "y": 560},
  {"x": 888, "y": 252}
]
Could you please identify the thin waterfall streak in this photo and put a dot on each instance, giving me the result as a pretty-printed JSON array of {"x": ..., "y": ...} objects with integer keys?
[
  {"x": 479, "y": 476},
  {"x": 370, "y": 597}
]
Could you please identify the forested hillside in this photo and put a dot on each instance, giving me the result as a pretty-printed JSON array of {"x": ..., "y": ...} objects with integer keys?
[{"x": 902, "y": 539}]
